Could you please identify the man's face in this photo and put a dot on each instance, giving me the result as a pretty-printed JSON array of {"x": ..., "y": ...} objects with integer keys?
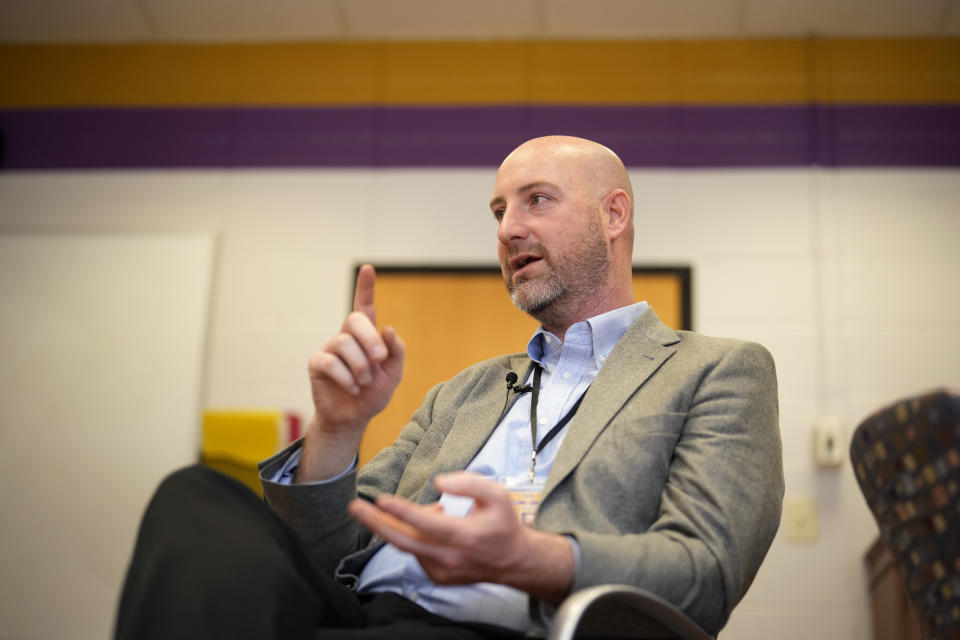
[{"x": 550, "y": 240}]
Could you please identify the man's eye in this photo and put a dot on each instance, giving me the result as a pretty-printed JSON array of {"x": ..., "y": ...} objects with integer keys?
[
  {"x": 498, "y": 214},
  {"x": 537, "y": 198}
]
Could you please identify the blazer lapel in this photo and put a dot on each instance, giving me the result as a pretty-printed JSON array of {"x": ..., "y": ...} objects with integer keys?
[
  {"x": 476, "y": 420},
  {"x": 646, "y": 345}
]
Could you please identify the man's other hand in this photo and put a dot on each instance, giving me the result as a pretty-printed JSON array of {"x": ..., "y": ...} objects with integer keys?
[{"x": 487, "y": 545}]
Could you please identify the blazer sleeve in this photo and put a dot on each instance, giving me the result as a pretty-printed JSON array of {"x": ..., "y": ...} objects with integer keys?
[
  {"x": 719, "y": 508},
  {"x": 317, "y": 512}
]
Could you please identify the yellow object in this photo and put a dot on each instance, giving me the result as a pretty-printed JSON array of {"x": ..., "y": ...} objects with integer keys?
[{"x": 235, "y": 441}]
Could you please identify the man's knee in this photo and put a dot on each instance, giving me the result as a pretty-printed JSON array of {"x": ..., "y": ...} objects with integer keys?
[
  {"x": 197, "y": 476},
  {"x": 199, "y": 482}
]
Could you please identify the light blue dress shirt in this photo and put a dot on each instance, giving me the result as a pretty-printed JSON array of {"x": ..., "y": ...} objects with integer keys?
[{"x": 569, "y": 367}]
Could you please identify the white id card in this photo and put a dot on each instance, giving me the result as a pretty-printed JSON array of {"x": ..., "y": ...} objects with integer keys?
[{"x": 525, "y": 496}]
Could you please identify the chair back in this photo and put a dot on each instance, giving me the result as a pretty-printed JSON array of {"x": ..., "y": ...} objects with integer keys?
[{"x": 907, "y": 460}]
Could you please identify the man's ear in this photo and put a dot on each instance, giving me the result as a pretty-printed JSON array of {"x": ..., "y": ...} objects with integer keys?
[{"x": 617, "y": 207}]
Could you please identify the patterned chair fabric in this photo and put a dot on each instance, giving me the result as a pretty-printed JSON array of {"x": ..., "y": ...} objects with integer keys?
[{"x": 907, "y": 461}]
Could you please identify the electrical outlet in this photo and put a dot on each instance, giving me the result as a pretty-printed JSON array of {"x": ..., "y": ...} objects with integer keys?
[
  {"x": 829, "y": 443},
  {"x": 800, "y": 520}
]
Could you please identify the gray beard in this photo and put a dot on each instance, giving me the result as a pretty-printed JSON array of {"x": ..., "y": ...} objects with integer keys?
[
  {"x": 533, "y": 297},
  {"x": 549, "y": 299}
]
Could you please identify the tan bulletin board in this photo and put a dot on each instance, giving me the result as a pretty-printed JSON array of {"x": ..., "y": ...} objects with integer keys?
[{"x": 451, "y": 318}]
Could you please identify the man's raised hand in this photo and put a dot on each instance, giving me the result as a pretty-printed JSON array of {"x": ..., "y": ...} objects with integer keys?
[{"x": 352, "y": 378}]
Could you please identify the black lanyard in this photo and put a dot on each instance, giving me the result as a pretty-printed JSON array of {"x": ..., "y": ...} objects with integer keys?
[{"x": 537, "y": 373}]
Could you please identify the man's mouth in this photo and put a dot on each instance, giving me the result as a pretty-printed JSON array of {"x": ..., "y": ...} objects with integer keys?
[{"x": 521, "y": 261}]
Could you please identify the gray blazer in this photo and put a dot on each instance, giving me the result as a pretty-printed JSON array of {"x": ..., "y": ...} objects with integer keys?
[{"x": 670, "y": 477}]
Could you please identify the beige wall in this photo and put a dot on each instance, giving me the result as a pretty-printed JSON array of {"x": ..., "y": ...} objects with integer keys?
[
  {"x": 847, "y": 276},
  {"x": 101, "y": 375}
]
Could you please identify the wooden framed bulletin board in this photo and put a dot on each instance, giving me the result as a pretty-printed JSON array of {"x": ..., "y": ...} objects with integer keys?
[{"x": 453, "y": 317}]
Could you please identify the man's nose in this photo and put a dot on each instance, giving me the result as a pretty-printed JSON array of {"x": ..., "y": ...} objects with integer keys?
[{"x": 513, "y": 225}]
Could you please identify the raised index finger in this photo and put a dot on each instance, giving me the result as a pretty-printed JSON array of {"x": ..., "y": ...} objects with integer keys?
[{"x": 363, "y": 294}]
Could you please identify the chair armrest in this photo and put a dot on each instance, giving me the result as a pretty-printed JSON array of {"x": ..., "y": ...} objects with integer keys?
[{"x": 621, "y": 611}]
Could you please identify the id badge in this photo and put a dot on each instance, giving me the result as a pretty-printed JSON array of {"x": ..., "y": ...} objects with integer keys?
[{"x": 525, "y": 496}]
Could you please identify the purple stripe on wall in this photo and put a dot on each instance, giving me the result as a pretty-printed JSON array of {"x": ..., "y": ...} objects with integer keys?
[
  {"x": 896, "y": 135},
  {"x": 678, "y": 137}
]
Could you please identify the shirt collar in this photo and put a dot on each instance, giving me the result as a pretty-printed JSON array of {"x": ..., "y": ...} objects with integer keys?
[{"x": 599, "y": 334}]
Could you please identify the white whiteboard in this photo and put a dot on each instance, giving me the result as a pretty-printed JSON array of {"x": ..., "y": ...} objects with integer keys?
[{"x": 101, "y": 366}]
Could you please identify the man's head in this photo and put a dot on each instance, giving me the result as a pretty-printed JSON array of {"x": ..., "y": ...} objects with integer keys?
[{"x": 564, "y": 207}]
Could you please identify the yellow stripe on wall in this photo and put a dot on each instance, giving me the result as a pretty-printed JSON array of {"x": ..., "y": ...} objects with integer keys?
[
  {"x": 448, "y": 73},
  {"x": 784, "y": 71},
  {"x": 883, "y": 71},
  {"x": 188, "y": 74},
  {"x": 670, "y": 72}
]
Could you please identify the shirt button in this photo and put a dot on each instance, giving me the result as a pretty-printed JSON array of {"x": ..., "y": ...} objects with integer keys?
[
  {"x": 546, "y": 339},
  {"x": 414, "y": 596},
  {"x": 566, "y": 375},
  {"x": 543, "y": 421}
]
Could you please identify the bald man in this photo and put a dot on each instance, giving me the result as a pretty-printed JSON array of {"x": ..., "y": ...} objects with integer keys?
[{"x": 625, "y": 452}]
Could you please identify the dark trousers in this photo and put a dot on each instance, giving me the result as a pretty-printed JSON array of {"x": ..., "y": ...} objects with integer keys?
[{"x": 213, "y": 561}]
